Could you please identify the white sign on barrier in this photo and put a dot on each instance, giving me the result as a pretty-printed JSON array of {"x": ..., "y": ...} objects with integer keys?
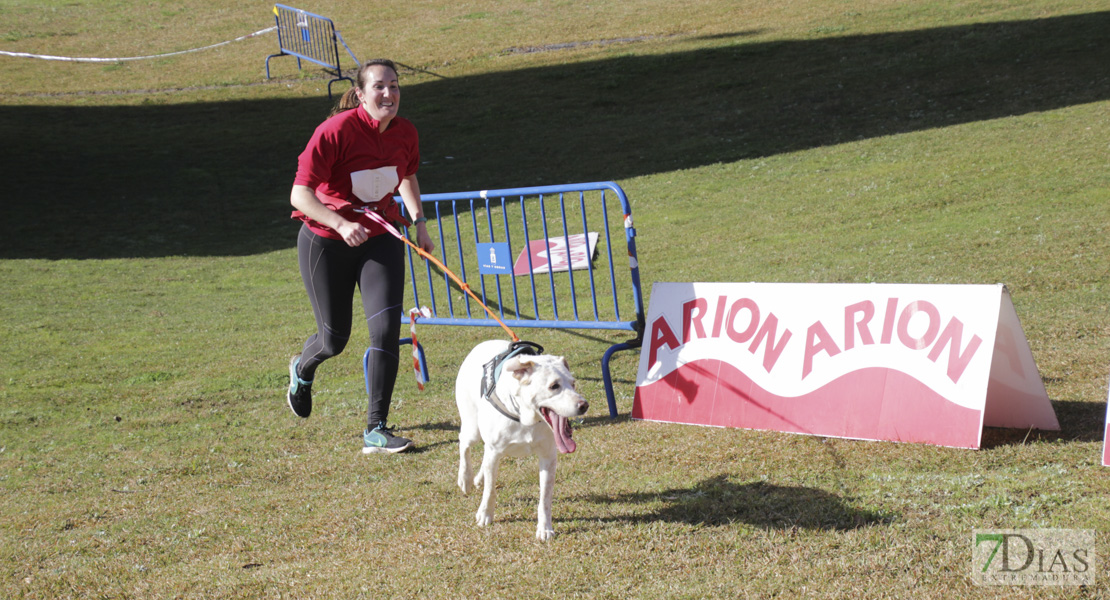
[
  {"x": 911, "y": 363},
  {"x": 551, "y": 255}
]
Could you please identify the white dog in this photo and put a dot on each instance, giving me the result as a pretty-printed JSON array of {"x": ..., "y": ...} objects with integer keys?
[{"x": 525, "y": 413}]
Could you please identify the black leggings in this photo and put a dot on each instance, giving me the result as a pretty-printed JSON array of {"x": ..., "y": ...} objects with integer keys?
[{"x": 331, "y": 269}]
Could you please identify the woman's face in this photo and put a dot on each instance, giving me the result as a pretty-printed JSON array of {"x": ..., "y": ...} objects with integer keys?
[{"x": 381, "y": 96}]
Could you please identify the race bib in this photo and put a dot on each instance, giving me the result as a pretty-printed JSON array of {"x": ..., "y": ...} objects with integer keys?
[{"x": 372, "y": 185}]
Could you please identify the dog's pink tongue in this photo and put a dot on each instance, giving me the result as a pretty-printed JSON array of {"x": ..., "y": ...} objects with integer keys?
[{"x": 561, "y": 427}]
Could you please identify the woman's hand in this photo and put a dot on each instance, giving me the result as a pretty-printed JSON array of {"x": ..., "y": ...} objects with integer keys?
[
  {"x": 304, "y": 199},
  {"x": 423, "y": 239},
  {"x": 353, "y": 233}
]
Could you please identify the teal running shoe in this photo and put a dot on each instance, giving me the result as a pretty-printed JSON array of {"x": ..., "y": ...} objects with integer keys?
[
  {"x": 300, "y": 391},
  {"x": 381, "y": 439}
]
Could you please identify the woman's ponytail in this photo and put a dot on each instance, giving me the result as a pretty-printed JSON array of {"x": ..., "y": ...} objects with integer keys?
[{"x": 347, "y": 101}]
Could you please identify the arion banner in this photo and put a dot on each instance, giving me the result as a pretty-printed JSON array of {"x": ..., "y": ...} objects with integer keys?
[{"x": 908, "y": 363}]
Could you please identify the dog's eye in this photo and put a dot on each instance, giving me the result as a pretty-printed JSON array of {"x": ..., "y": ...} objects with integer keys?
[{"x": 554, "y": 386}]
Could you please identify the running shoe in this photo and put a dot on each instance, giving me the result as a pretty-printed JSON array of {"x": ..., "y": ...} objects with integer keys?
[
  {"x": 300, "y": 391},
  {"x": 381, "y": 439}
]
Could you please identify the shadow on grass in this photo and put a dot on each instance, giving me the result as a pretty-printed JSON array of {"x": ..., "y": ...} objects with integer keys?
[
  {"x": 1079, "y": 422},
  {"x": 721, "y": 501},
  {"x": 439, "y": 426},
  {"x": 213, "y": 178},
  {"x": 601, "y": 418}
]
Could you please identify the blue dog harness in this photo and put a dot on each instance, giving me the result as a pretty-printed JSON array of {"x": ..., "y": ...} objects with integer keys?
[{"x": 491, "y": 372}]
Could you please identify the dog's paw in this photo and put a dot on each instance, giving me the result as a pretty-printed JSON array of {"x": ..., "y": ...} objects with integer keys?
[
  {"x": 483, "y": 518},
  {"x": 543, "y": 534},
  {"x": 464, "y": 485}
]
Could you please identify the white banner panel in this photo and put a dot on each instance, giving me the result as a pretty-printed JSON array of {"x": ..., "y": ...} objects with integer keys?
[
  {"x": 911, "y": 363},
  {"x": 1106, "y": 435}
]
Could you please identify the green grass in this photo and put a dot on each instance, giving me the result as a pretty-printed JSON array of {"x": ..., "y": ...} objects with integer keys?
[{"x": 151, "y": 297}]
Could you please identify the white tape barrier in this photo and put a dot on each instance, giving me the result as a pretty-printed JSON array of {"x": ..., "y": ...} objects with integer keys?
[{"x": 109, "y": 60}]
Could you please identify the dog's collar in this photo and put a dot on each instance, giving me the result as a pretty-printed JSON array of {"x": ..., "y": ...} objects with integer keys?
[{"x": 491, "y": 372}]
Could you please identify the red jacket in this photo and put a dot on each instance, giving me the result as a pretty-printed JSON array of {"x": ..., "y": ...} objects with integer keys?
[{"x": 354, "y": 167}]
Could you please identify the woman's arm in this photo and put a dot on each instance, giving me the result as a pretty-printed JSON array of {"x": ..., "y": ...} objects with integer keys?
[
  {"x": 304, "y": 199},
  {"x": 410, "y": 194}
]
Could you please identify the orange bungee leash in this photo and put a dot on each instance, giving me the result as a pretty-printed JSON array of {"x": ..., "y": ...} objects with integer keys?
[{"x": 374, "y": 216}]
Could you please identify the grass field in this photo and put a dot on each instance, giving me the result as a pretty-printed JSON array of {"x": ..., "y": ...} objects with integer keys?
[{"x": 152, "y": 300}]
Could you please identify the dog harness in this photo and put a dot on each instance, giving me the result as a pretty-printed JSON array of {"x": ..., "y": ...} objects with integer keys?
[{"x": 491, "y": 372}]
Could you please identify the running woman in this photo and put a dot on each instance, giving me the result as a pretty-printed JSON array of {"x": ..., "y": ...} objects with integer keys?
[{"x": 356, "y": 161}]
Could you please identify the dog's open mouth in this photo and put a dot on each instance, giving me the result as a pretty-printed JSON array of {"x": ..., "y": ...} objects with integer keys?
[{"x": 561, "y": 427}]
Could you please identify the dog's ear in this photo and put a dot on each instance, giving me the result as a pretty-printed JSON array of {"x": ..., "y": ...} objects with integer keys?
[{"x": 519, "y": 367}]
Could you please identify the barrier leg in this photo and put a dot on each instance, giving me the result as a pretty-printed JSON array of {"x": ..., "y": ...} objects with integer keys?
[
  {"x": 420, "y": 355},
  {"x": 268, "y": 62},
  {"x": 329, "y": 98},
  {"x": 608, "y": 378}
]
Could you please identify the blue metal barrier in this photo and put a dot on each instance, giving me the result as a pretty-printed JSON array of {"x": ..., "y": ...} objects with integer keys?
[
  {"x": 556, "y": 280},
  {"x": 310, "y": 37}
]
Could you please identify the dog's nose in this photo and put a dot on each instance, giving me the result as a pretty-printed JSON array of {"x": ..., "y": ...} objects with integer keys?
[{"x": 583, "y": 406}]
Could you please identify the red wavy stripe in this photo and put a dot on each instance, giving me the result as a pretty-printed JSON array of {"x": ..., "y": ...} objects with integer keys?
[{"x": 872, "y": 404}]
